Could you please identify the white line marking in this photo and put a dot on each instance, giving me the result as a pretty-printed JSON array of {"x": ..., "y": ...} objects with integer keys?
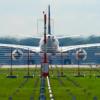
[{"x": 49, "y": 88}]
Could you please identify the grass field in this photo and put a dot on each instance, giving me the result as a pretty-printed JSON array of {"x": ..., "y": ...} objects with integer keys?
[{"x": 67, "y": 87}]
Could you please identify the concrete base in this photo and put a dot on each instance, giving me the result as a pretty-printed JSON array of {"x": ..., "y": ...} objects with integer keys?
[
  {"x": 11, "y": 76},
  {"x": 28, "y": 76}
]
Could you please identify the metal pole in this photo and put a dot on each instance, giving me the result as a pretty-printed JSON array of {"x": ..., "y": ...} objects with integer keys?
[
  {"x": 28, "y": 62},
  {"x": 11, "y": 71},
  {"x": 78, "y": 68},
  {"x": 61, "y": 63}
]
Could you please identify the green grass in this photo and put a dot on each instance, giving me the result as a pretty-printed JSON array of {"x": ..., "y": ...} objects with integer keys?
[{"x": 63, "y": 88}]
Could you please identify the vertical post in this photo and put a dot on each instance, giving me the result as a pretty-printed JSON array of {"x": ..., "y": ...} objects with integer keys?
[
  {"x": 49, "y": 20},
  {"x": 90, "y": 70},
  {"x": 28, "y": 70},
  {"x": 11, "y": 71},
  {"x": 45, "y": 65},
  {"x": 78, "y": 69},
  {"x": 61, "y": 63},
  {"x": 78, "y": 62},
  {"x": 28, "y": 62}
]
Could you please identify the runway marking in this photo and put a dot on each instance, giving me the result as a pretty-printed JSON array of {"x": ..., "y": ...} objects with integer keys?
[{"x": 49, "y": 88}]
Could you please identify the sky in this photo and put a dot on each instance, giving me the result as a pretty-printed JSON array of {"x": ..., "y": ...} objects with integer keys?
[{"x": 69, "y": 17}]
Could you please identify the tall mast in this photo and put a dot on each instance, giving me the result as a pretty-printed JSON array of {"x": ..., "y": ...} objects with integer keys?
[{"x": 49, "y": 21}]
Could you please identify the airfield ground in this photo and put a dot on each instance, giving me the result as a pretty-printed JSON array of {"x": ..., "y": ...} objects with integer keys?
[{"x": 67, "y": 87}]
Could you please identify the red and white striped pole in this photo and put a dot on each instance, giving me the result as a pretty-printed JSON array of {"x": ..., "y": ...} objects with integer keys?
[{"x": 45, "y": 64}]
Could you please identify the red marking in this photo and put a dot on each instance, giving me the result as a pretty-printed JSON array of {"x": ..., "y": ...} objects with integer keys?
[
  {"x": 45, "y": 74},
  {"x": 45, "y": 40}
]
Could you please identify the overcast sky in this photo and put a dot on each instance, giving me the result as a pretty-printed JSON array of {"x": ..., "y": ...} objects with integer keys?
[{"x": 70, "y": 17}]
